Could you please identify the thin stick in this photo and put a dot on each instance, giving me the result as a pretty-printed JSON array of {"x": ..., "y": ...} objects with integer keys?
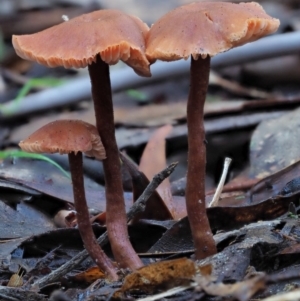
[
  {"x": 138, "y": 206},
  {"x": 219, "y": 189}
]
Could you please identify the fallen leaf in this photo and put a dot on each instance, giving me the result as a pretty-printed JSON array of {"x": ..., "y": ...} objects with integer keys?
[
  {"x": 155, "y": 206},
  {"x": 45, "y": 178},
  {"x": 160, "y": 275},
  {"x": 90, "y": 275},
  {"x": 154, "y": 160},
  {"x": 274, "y": 145},
  {"x": 241, "y": 291}
]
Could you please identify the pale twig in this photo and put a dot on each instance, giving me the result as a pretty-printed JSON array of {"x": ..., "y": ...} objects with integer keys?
[
  {"x": 137, "y": 207},
  {"x": 219, "y": 189}
]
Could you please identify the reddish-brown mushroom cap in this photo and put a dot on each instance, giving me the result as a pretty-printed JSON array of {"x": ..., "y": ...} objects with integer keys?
[
  {"x": 64, "y": 137},
  {"x": 76, "y": 42},
  {"x": 207, "y": 28}
]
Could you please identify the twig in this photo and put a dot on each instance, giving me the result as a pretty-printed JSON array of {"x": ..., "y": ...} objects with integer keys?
[
  {"x": 140, "y": 204},
  {"x": 219, "y": 189},
  {"x": 137, "y": 207}
]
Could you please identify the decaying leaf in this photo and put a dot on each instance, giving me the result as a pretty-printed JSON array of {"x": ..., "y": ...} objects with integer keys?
[
  {"x": 154, "y": 159},
  {"x": 16, "y": 279},
  {"x": 289, "y": 296},
  {"x": 155, "y": 206},
  {"x": 45, "y": 178},
  {"x": 285, "y": 182},
  {"x": 12, "y": 293},
  {"x": 241, "y": 291},
  {"x": 90, "y": 275},
  {"x": 160, "y": 275},
  {"x": 22, "y": 220},
  {"x": 274, "y": 145}
]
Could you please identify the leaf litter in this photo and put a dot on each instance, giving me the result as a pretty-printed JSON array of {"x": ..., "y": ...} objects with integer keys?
[{"x": 256, "y": 237}]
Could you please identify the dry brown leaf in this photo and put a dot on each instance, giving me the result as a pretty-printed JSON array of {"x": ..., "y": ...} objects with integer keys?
[
  {"x": 154, "y": 159},
  {"x": 274, "y": 145},
  {"x": 90, "y": 275},
  {"x": 241, "y": 291},
  {"x": 160, "y": 275},
  {"x": 289, "y": 296},
  {"x": 16, "y": 280}
]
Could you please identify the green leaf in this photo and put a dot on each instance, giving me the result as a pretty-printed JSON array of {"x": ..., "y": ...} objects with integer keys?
[
  {"x": 21, "y": 154},
  {"x": 138, "y": 95}
]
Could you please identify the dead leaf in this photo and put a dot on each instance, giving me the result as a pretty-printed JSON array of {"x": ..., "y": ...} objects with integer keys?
[
  {"x": 289, "y": 296},
  {"x": 160, "y": 275},
  {"x": 283, "y": 182},
  {"x": 274, "y": 145},
  {"x": 241, "y": 291},
  {"x": 22, "y": 220},
  {"x": 46, "y": 178},
  {"x": 293, "y": 249},
  {"x": 154, "y": 159},
  {"x": 205, "y": 270},
  {"x": 16, "y": 279},
  {"x": 155, "y": 206},
  {"x": 90, "y": 275}
]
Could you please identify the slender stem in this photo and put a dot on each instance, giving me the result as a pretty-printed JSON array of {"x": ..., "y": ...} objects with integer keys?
[
  {"x": 115, "y": 206},
  {"x": 83, "y": 219},
  {"x": 195, "y": 188}
]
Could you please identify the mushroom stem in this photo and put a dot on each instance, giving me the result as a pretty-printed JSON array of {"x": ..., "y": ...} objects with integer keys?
[
  {"x": 195, "y": 189},
  {"x": 83, "y": 220},
  {"x": 115, "y": 206}
]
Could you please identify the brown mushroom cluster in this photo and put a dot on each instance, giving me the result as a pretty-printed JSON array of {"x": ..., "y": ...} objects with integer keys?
[{"x": 96, "y": 40}]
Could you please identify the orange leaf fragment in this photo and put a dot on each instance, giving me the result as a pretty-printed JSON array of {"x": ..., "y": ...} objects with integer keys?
[
  {"x": 90, "y": 275},
  {"x": 161, "y": 275}
]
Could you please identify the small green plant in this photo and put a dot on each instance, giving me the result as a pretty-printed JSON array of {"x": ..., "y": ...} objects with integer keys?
[
  {"x": 141, "y": 97},
  {"x": 30, "y": 84},
  {"x": 21, "y": 154},
  {"x": 291, "y": 215}
]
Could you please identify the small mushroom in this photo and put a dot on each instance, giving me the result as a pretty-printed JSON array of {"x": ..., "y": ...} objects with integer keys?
[
  {"x": 74, "y": 137},
  {"x": 97, "y": 40},
  {"x": 202, "y": 30}
]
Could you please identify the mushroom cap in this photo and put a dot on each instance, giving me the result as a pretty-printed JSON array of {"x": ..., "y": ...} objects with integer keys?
[
  {"x": 112, "y": 34},
  {"x": 64, "y": 137},
  {"x": 207, "y": 28}
]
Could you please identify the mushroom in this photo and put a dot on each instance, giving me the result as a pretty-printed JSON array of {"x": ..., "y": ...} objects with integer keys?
[
  {"x": 74, "y": 137},
  {"x": 202, "y": 30},
  {"x": 97, "y": 40}
]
